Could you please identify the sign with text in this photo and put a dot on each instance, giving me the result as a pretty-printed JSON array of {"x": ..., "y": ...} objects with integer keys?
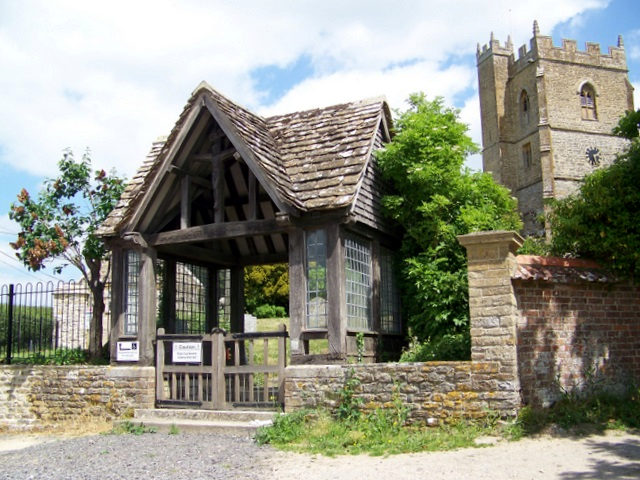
[
  {"x": 128, "y": 352},
  {"x": 187, "y": 352}
]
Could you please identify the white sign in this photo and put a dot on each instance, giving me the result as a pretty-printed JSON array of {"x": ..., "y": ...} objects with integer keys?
[
  {"x": 128, "y": 352},
  {"x": 187, "y": 352}
]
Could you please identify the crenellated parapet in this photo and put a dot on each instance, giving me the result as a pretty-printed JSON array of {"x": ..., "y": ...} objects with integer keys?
[{"x": 541, "y": 47}]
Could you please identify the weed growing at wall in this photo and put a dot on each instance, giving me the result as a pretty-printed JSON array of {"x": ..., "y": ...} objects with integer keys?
[
  {"x": 349, "y": 408},
  {"x": 596, "y": 412}
]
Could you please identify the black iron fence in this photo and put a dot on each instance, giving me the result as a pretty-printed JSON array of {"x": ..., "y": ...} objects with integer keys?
[{"x": 44, "y": 322}]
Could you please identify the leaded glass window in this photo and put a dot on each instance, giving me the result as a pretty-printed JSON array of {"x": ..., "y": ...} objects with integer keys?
[
  {"x": 192, "y": 285},
  {"x": 358, "y": 283},
  {"x": 132, "y": 292},
  {"x": 389, "y": 296},
  {"x": 316, "y": 268}
]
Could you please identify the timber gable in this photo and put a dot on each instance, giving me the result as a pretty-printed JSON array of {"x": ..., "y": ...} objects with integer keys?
[{"x": 311, "y": 161}]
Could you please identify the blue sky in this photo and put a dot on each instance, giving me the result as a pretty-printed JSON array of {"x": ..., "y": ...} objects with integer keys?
[{"x": 113, "y": 76}]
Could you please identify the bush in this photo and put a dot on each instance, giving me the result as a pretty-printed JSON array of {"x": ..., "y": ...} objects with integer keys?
[
  {"x": 270, "y": 311},
  {"x": 449, "y": 347}
]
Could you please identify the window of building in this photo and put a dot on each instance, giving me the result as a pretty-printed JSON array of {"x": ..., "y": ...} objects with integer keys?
[
  {"x": 358, "y": 283},
  {"x": 525, "y": 107},
  {"x": 132, "y": 292},
  {"x": 192, "y": 285},
  {"x": 527, "y": 158},
  {"x": 316, "y": 279},
  {"x": 389, "y": 295},
  {"x": 588, "y": 102}
]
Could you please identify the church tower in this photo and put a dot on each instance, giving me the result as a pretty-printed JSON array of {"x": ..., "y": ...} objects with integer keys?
[{"x": 547, "y": 116}]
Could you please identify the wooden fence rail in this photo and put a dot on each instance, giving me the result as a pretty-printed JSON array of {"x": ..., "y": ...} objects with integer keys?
[{"x": 221, "y": 370}]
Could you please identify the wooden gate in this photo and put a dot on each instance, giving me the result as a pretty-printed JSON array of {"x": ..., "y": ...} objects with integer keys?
[{"x": 221, "y": 370}]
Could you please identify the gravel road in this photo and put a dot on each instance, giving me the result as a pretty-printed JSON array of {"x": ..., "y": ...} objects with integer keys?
[{"x": 200, "y": 456}]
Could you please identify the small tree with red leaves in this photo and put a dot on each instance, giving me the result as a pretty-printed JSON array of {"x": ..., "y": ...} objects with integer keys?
[{"x": 60, "y": 223}]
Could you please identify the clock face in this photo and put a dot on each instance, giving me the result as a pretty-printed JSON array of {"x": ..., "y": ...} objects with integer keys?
[{"x": 593, "y": 156}]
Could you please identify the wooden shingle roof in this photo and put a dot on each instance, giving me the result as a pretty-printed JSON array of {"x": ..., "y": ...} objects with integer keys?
[{"x": 307, "y": 161}]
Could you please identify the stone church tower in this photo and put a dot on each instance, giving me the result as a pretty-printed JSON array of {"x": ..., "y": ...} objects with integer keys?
[{"x": 547, "y": 116}]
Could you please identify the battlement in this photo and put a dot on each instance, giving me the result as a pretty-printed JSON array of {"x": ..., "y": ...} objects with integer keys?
[{"x": 541, "y": 47}]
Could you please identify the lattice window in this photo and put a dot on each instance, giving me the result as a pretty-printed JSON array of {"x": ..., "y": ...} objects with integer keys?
[
  {"x": 132, "y": 292},
  {"x": 390, "y": 321},
  {"x": 316, "y": 279},
  {"x": 588, "y": 102},
  {"x": 192, "y": 285},
  {"x": 358, "y": 283},
  {"x": 224, "y": 299}
]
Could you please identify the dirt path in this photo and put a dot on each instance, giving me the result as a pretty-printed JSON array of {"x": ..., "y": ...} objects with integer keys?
[
  {"x": 614, "y": 455},
  {"x": 595, "y": 457}
]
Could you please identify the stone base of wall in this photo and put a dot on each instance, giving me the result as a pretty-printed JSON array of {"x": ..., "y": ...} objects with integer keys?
[
  {"x": 34, "y": 396},
  {"x": 439, "y": 390}
]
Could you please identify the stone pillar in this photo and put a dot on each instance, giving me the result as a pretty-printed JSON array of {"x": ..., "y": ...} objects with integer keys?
[{"x": 492, "y": 306}]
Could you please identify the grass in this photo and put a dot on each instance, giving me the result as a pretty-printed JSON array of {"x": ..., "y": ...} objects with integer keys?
[
  {"x": 385, "y": 431},
  {"x": 271, "y": 325},
  {"x": 595, "y": 413},
  {"x": 379, "y": 433}
]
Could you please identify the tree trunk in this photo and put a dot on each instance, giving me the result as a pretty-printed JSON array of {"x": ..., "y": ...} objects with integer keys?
[
  {"x": 95, "y": 329},
  {"x": 97, "y": 293}
]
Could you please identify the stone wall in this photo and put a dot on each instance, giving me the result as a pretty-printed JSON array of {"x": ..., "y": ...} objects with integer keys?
[
  {"x": 33, "y": 396},
  {"x": 438, "y": 390}
]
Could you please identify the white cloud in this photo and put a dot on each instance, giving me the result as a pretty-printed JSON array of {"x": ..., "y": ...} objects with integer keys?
[{"x": 114, "y": 75}]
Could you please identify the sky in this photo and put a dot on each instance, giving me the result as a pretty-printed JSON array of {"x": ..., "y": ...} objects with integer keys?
[{"x": 113, "y": 76}]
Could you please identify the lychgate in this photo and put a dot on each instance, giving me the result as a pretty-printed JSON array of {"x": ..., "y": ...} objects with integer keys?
[{"x": 228, "y": 189}]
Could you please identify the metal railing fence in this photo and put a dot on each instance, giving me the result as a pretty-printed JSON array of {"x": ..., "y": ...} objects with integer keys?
[{"x": 40, "y": 322}]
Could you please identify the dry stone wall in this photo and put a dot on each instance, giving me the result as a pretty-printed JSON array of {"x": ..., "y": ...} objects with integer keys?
[
  {"x": 433, "y": 390},
  {"x": 33, "y": 396}
]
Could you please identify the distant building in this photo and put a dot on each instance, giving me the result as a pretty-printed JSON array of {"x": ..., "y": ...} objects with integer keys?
[{"x": 547, "y": 116}]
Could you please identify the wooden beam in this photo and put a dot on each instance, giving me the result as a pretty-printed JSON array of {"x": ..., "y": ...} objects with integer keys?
[
  {"x": 181, "y": 172},
  {"x": 253, "y": 196},
  {"x": 207, "y": 157},
  {"x": 185, "y": 202},
  {"x": 220, "y": 231},
  {"x": 199, "y": 254},
  {"x": 264, "y": 259},
  {"x": 217, "y": 180}
]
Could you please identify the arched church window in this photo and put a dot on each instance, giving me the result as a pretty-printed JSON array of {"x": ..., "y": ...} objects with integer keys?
[{"x": 588, "y": 102}]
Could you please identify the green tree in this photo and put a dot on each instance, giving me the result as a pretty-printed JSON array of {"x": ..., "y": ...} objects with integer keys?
[
  {"x": 436, "y": 200},
  {"x": 600, "y": 221},
  {"x": 60, "y": 223},
  {"x": 266, "y": 285}
]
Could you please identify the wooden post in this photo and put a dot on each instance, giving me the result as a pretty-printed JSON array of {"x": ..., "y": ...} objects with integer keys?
[
  {"x": 148, "y": 307},
  {"x": 297, "y": 289},
  {"x": 237, "y": 299},
  {"x": 217, "y": 178},
  {"x": 160, "y": 367},
  {"x": 253, "y": 196},
  {"x": 218, "y": 362},
  {"x": 336, "y": 308},
  {"x": 185, "y": 202},
  {"x": 117, "y": 301},
  {"x": 282, "y": 363}
]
